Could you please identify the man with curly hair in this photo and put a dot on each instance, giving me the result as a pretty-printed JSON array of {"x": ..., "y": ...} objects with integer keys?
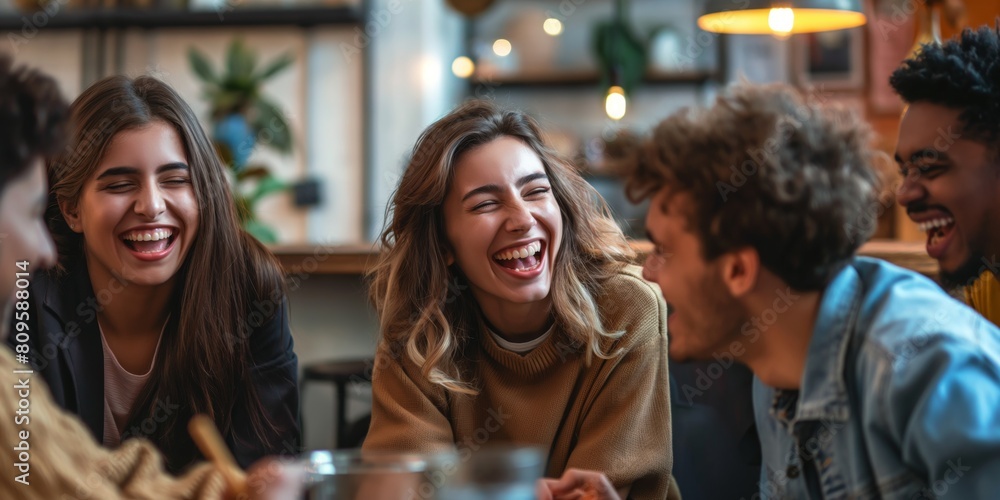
[
  {"x": 870, "y": 381},
  {"x": 949, "y": 157}
]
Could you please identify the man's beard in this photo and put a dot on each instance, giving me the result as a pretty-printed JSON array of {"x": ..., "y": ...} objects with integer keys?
[{"x": 966, "y": 274}]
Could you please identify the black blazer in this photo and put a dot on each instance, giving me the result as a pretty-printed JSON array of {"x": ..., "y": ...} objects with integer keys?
[{"x": 66, "y": 349}]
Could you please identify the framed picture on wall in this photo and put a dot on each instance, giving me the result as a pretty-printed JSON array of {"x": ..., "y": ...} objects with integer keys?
[{"x": 833, "y": 60}]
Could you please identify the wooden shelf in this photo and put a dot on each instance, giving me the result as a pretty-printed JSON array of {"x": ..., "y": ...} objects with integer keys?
[
  {"x": 320, "y": 259},
  {"x": 561, "y": 80},
  {"x": 162, "y": 18},
  {"x": 356, "y": 259}
]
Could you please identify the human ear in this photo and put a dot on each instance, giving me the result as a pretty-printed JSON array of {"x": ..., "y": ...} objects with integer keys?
[
  {"x": 740, "y": 270},
  {"x": 70, "y": 212}
]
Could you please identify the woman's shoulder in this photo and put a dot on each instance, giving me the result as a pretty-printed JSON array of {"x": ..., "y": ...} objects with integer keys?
[
  {"x": 61, "y": 290},
  {"x": 629, "y": 284},
  {"x": 632, "y": 305}
]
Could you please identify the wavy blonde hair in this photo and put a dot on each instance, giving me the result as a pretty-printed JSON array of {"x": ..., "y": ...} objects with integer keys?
[{"x": 412, "y": 286}]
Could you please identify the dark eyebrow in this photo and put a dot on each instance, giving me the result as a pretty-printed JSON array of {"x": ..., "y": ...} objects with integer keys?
[
  {"x": 113, "y": 171},
  {"x": 923, "y": 153},
  {"x": 493, "y": 188}
]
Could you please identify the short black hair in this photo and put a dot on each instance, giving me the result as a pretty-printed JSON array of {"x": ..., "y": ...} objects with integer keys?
[
  {"x": 963, "y": 74},
  {"x": 33, "y": 117}
]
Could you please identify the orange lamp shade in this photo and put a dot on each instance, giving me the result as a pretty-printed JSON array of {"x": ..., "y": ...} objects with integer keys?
[{"x": 781, "y": 17}]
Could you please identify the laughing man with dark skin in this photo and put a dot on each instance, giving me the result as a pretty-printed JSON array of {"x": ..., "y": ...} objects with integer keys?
[{"x": 948, "y": 153}]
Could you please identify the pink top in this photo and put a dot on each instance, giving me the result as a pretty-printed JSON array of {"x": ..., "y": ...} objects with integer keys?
[{"x": 121, "y": 388}]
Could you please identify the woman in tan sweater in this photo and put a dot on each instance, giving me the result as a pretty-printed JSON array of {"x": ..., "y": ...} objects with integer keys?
[{"x": 509, "y": 312}]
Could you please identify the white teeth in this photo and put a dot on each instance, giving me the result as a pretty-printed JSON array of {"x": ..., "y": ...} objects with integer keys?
[
  {"x": 936, "y": 223},
  {"x": 519, "y": 253},
  {"x": 154, "y": 235}
]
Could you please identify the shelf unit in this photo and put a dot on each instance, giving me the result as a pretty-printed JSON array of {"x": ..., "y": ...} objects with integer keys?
[
  {"x": 104, "y": 37},
  {"x": 565, "y": 79},
  {"x": 107, "y": 19}
]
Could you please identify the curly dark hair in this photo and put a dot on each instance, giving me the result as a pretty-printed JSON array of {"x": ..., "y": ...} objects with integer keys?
[
  {"x": 33, "y": 115},
  {"x": 962, "y": 74},
  {"x": 769, "y": 169}
]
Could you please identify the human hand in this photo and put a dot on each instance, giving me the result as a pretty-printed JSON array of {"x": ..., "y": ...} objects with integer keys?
[
  {"x": 274, "y": 478},
  {"x": 577, "y": 484}
]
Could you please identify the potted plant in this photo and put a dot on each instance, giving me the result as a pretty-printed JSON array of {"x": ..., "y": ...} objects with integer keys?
[{"x": 240, "y": 115}]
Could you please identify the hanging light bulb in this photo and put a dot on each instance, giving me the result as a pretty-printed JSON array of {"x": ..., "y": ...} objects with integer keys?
[
  {"x": 615, "y": 103},
  {"x": 463, "y": 67},
  {"x": 501, "y": 47},
  {"x": 552, "y": 26},
  {"x": 781, "y": 21}
]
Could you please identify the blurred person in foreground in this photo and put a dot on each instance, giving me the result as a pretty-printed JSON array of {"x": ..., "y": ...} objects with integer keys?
[
  {"x": 871, "y": 382},
  {"x": 50, "y": 454},
  {"x": 948, "y": 154}
]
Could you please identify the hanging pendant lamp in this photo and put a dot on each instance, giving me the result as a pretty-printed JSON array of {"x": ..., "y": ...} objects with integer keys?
[{"x": 780, "y": 17}]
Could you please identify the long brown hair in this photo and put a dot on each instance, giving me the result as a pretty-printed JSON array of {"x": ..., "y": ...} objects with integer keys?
[
  {"x": 414, "y": 289},
  {"x": 204, "y": 360}
]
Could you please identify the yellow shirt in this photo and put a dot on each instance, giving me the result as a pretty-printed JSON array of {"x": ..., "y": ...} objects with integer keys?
[{"x": 983, "y": 295}]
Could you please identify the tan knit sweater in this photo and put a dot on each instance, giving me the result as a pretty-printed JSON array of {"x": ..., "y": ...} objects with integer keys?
[
  {"x": 612, "y": 416},
  {"x": 64, "y": 461}
]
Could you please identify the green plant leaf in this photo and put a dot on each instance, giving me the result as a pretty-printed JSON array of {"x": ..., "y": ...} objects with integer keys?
[
  {"x": 618, "y": 49},
  {"x": 263, "y": 233},
  {"x": 276, "y": 66},
  {"x": 268, "y": 185},
  {"x": 201, "y": 66},
  {"x": 270, "y": 125},
  {"x": 240, "y": 62}
]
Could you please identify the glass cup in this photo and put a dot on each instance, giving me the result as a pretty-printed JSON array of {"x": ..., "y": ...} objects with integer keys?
[
  {"x": 353, "y": 475},
  {"x": 495, "y": 473}
]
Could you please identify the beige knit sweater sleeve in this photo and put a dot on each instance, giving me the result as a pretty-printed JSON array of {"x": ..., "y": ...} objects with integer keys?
[
  {"x": 60, "y": 459},
  {"x": 409, "y": 413},
  {"x": 625, "y": 432}
]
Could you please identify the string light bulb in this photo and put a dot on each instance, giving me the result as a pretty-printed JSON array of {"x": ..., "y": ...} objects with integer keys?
[
  {"x": 501, "y": 47},
  {"x": 615, "y": 103},
  {"x": 552, "y": 26},
  {"x": 463, "y": 67}
]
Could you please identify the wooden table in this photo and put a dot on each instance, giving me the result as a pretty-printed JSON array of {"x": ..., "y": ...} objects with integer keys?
[{"x": 356, "y": 259}]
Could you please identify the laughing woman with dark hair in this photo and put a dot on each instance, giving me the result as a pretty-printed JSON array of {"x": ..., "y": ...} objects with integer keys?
[{"x": 161, "y": 306}]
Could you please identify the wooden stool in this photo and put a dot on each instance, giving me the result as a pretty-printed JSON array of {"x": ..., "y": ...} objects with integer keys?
[{"x": 340, "y": 373}]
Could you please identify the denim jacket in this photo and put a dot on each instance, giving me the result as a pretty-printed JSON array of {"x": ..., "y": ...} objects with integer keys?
[{"x": 900, "y": 396}]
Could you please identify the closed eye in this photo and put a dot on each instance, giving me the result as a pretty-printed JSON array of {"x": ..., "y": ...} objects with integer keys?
[
  {"x": 538, "y": 192},
  {"x": 484, "y": 205},
  {"x": 118, "y": 186}
]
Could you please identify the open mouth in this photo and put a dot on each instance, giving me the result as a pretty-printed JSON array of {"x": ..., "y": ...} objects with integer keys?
[
  {"x": 522, "y": 259},
  {"x": 149, "y": 242},
  {"x": 939, "y": 232}
]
